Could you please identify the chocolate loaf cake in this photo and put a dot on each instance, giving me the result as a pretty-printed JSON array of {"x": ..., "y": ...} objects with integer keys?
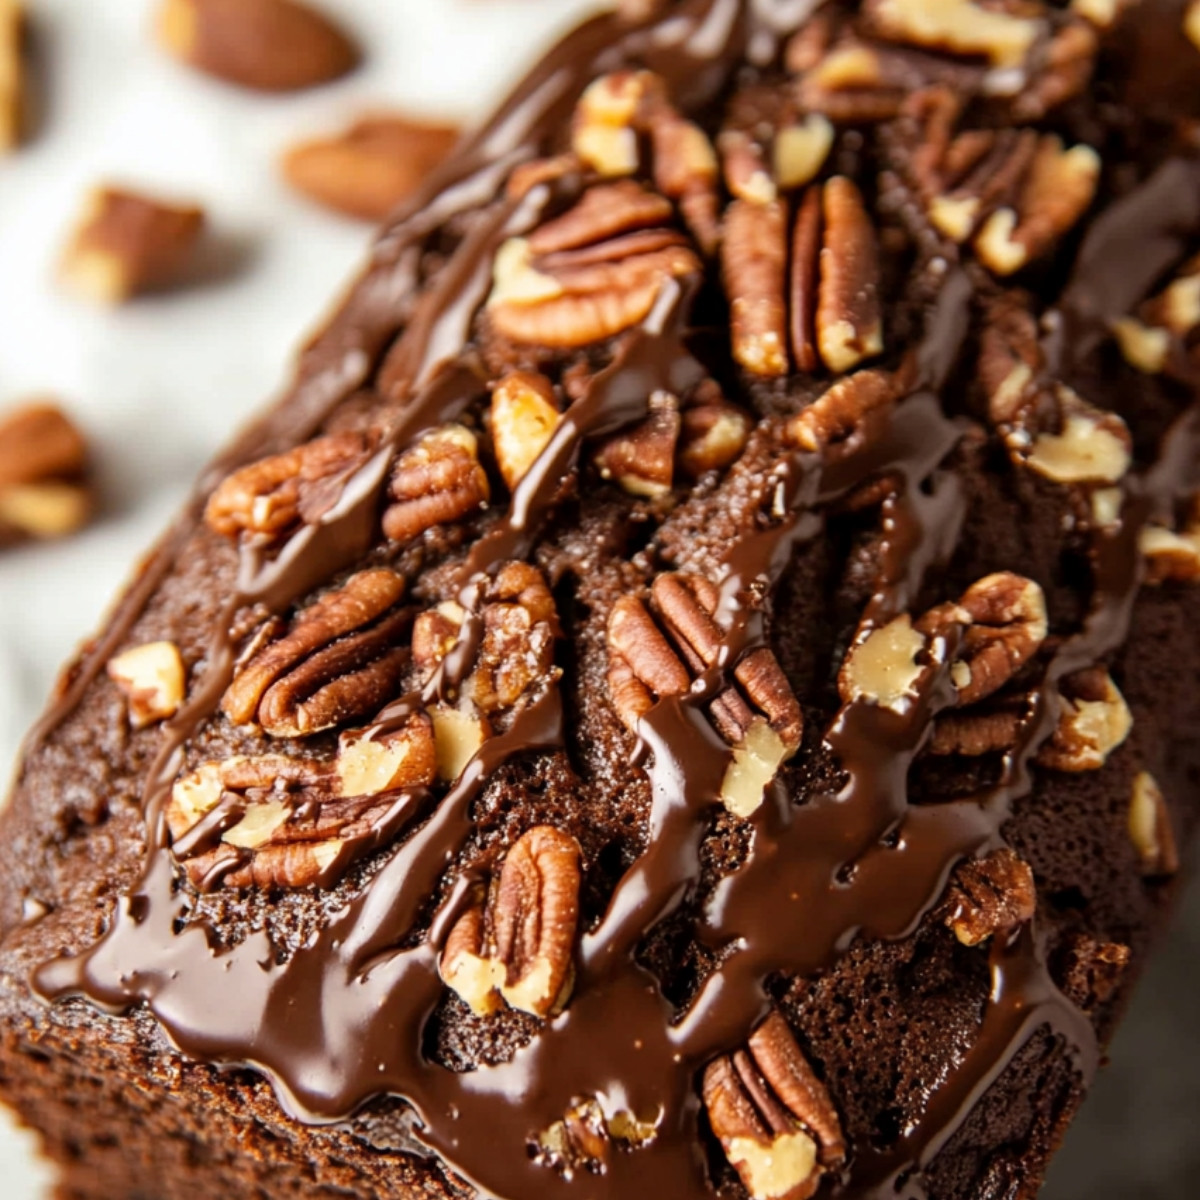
[{"x": 693, "y": 690}]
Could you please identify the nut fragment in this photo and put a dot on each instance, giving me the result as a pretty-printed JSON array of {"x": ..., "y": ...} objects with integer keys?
[
  {"x": 582, "y": 1140},
  {"x": 764, "y": 726},
  {"x": 437, "y": 482},
  {"x": 271, "y": 496},
  {"x": 152, "y": 678},
  {"x": 1173, "y": 554},
  {"x": 712, "y": 436},
  {"x": 340, "y": 659},
  {"x": 1092, "y": 447},
  {"x": 641, "y": 459},
  {"x": 1150, "y": 827},
  {"x": 12, "y": 74},
  {"x": 43, "y": 462},
  {"x": 1092, "y": 970},
  {"x": 367, "y": 170},
  {"x": 1093, "y": 721},
  {"x": 370, "y": 761},
  {"x": 458, "y": 734},
  {"x": 519, "y": 944},
  {"x": 991, "y": 895},
  {"x": 267, "y": 45},
  {"x": 126, "y": 243},
  {"x": 603, "y": 133},
  {"x": 842, "y": 420},
  {"x": 773, "y": 1117},
  {"x": 958, "y": 26},
  {"x": 800, "y": 150},
  {"x": 884, "y": 667},
  {"x": 524, "y": 418}
]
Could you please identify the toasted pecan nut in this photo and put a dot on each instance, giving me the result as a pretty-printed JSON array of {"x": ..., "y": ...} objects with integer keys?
[
  {"x": 1173, "y": 554},
  {"x": 641, "y": 459},
  {"x": 772, "y": 1115},
  {"x": 370, "y": 168},
  {"x": 753, "y": 262},
  {"x": 524, "y": 415},
  {"x": 712, "y": 435},
  {"x": 341, "y": 658},
  {"x": 843, "y": 419},
  {"x": 1150, "y": 827},
  {"x": 991, "y": 895},
  {"x": 848, "y": 321},
  {"x": 152, "y": 676},
  {"x": 437, "y": 482},
  {"x": 519, "y": 944},
  {"x": 1093, "y": 721},
  {"x": 957, "y": 27},
  {"x": 125, "y": 243},
  {"x": 266, "y": 45},
  {"x": 271, "y": 496}
]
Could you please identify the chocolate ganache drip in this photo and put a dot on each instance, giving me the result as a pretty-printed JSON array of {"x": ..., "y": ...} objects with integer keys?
[{"x": 342, "y": 1019}]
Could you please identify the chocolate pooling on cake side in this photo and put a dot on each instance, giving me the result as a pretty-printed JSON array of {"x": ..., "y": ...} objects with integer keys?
[{"x": 617, "y": 1091}]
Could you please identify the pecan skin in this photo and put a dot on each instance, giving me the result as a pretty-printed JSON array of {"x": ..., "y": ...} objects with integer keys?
[
  {"x": 339, "y": 660},
  {"x": 519, "y": 944},
  {"x": 437, "y": 482},
  {"x": 270, "y": 497},
  {"x": 772, "y": 1115}
]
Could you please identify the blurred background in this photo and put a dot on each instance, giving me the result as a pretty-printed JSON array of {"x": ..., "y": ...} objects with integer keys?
[{"x": 158, "y": 384}]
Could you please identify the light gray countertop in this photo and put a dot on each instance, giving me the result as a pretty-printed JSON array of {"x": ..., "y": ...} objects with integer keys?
[{"x": 160, "y": 385}]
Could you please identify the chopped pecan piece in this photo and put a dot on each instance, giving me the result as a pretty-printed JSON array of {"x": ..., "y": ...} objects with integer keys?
[
  {"x": 1150, "y": 827},
  {"x": 753, "y": 260},
  {"x": 991, "y": 895},
  {"x": 125, "y": 243},
  {"x": 515, "y": 655},
  {"x": 437, "y": 482},
  {"x": 960, "y": 27},
  {"x": 713, "y": 434},
  {"x": 845, "y": 418},
  {"x": 341, "y": 658},
  {"x": 267, "y": 45},
  {"x": 1065, "y": 71},
  {"x": 519, "y": 943},
  {"x": 583, "y": 1139},
  {"x": 372, "y": 166},
  {"x": 1170, "y": 554},
  {"x": 1056, "y": 192},
  {"x": 603, "y": 133},
  {"x": 1163, "y": 324},
  {"x": 1093, "y": 721},
  {"x": 773, "y": 1116},
  {"x": 272, "y": 496},
  {"x": 371, "y": 761},
  {"x": 524, "y": 417},
  {"x": 43, "y": 469},
  {"x": 644, "y": 663},
  {"x": 152, "y": 678},
  {"x": 1092, "y": 970},
  {"x": 685, "y": 171},
  {"x": 603, "y": 275},
  {"x": 800, "y": 149},
  {"x": 642, "y": 458}
]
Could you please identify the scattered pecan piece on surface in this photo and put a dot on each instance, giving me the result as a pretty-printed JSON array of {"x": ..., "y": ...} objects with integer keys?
[
  {"x": 583, "y": 1140},
  {"x": 437, "y": 482},
  {"x": 1165, "y": 324},
  {"x": 847, "y": 416},
  {"x": 608, "y": 260},
  {"x": 773, "y": 1117},
  {"x": 13, "y": 84},
  {"x": 152, "y": 677},
  {"x": 645, "y": 663},
  {"x": 1150, "y": 827},
  {"x": 991, "y": 895},
  {"x": 126, "y": 243},
  {"x": 272, "y": 496},
  {"x": 43, "y": 474},
  {"x": 1093, "y": 721},
  {"x": 266, "y": 45},
  {"x": 960, "y": 27},
  {"x": 341, "y": 658},
  {"x": 753, "y": 262},
  {"x": 515, "y": 655},
  {"x": 524, "y": 416},
  {"x": 641, "y": 459},
  {"x": 367, "y": 170},
  {"x": 519, "y": 943},
  {"x": 1173, "y": 554}
]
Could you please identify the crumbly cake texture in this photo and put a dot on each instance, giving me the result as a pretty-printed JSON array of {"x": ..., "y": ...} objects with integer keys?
[{"x": 692, "y": 691}]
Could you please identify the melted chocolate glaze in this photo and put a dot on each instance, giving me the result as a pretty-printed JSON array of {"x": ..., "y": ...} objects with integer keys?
[{"x": 342, "y": 1020}]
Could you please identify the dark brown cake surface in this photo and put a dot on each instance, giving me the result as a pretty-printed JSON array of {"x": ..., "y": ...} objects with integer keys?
[{"x": 693, "y": 690}]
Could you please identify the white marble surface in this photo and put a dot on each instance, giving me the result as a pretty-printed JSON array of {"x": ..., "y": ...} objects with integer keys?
[{"x": 160, "y": 384}]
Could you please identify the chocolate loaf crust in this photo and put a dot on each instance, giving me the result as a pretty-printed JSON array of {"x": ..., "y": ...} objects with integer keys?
[{"x": 692, "y": 690}]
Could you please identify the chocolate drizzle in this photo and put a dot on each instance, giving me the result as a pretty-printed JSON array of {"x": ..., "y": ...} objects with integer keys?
[{"x": 341, "y": 1021}]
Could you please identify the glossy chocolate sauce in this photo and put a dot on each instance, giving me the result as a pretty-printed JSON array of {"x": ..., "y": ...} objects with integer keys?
[{"x": 342, "y": 1020}]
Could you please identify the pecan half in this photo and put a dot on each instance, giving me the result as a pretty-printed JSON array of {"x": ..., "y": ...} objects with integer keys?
[
  {"x": 437, "y": 482},
  {"x": 515, "y": 656},
  {"x": 1093, "y": 721},
  {"x": 773, "y": 1116},
  {"x": 644, "y": 663},
  {"x": 991, "y": 895},
  {"x": 753, "y": 260},
  {"x": 1150, "y": 827},
  {"x": 272, "y": 496},
  {"x": 44, "y": 491},
  {"x": 519, "y": 944},
  {"x": 340, "y": 658},
  {"x": 125, "y": 243},
  {"x": 604, "y": 267}
]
